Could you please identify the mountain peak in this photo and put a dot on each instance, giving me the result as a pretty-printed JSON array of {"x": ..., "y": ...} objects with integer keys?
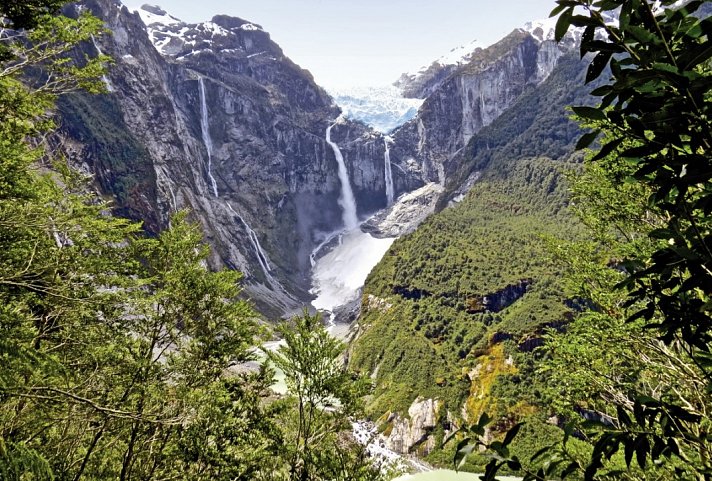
[
  {"x": 231, "y": 23},
  {"x": 154, "y": 14},
  {"x": 177, "y": 39}
]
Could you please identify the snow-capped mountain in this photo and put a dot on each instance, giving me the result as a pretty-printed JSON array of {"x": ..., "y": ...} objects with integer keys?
[
  {"x": 420, "y": 84},
  {"x": 382, "y": 108},
  {"x": 175, "y": 38}
]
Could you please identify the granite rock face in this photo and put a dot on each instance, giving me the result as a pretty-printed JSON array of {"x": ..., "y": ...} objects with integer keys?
[
  {"x": 415, "y": 431},
  {"x": 214, "y": 117},
  {"x": 462, "y": 99}
]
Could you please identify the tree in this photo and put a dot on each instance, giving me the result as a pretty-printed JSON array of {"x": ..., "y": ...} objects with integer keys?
[
  {"x": 325, "y": 394},
  {"x": 659, "y": 98},
  {"x": 654, "y": 166},
  {"x": 115, "y": 347}
]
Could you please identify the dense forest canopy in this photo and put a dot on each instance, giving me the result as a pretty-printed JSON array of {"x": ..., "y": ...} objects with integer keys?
[{"x": 640, "y": 356}]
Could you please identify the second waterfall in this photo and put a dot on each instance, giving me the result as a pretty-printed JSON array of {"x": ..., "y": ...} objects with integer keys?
[
  {"x": 346, "y": 199},
  {"x": 205, "y": 131}
]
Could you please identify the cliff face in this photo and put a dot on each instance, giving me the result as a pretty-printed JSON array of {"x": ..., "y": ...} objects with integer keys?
[
  {"x": 463, "y": 99},
  {"x": 214, "y": 117}
]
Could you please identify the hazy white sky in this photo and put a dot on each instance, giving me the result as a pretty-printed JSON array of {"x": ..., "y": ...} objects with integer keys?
[{"x": 367, "y": 42}]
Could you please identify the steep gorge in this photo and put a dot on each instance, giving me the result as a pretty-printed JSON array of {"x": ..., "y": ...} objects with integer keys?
[
  {"x": 221, "y": 122},
  {"x": 214, "y": 118}
]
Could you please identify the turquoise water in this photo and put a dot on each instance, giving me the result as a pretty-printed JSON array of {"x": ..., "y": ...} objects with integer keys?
[{"x": 447, "y": 475}]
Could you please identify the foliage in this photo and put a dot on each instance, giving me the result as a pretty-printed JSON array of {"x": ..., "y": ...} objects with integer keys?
[
  {"x": 659, "y": 95},
  {"x": 27, "y": 14},
  {"x": 425, "y": 330},
  {"x": 123, "y": 357},
  {"x": 636, "y": 365},
  {"x": 122, "y": 163},
  {"x": 325, "y": 395}
]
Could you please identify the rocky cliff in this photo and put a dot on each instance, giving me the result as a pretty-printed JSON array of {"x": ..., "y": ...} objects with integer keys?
[
  {"x": 469, "y": 95},
  {"x": 213, "y": 117}
]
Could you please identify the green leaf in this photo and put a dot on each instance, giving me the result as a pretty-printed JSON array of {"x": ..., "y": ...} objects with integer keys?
[
  {"x": 642, "y": 447},
  {"x": 484, "y": 420},
  {"x": 623, "y": 417},
  {"x": 563, "y": 23},
  {"x": 514, "y": 464},
  {"x": 607, "y": 149},
  {"x": 598, "y": 64},
  {"x": 540, "y": 453},
  {"x": 570, "y": 469},
  {"x": 589, "y": 113},
  {"x": 512, "y": 433},
  {"x": 587, "y": 139},
  {"x": 629, "y": 450}
]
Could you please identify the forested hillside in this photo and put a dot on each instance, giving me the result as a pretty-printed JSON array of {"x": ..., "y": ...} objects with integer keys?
[
  {"x": 552, "y": 319},
  {"x": 455, "y": 310},
  {"x": 123, "y": 356},
  {"x": 619, "y": 385}
]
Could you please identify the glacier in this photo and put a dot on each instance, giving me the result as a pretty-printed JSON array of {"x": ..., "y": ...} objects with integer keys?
[{"x": 382, "y": 108}]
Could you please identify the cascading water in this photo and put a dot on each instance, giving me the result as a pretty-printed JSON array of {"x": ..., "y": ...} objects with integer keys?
[
  {"x": 104, "y": 78},
  {"x": 204, "y": 128},
  {"x": 259, "y": 253},
  {"x": 389, "y": 173},
  {"x": 346, "y": 199}
]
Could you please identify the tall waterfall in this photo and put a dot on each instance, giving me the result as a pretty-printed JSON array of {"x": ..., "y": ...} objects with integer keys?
[
  {"x": 259, "y": 253},
  {"x": 389, "y": 172},
  {"x": 104, "y": 78},
  {"x": 346, "y": 199},
  {"x": 204, "y": 128}
]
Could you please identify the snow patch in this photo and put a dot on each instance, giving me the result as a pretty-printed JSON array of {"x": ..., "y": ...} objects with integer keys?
[
  {"x": 155, "y": 15},
  {"x": 251, "y": 27},
  {"x": 213, "y": 29},
  {"x": 542, "y": 29},
  {"x": 460, "y": 55}
]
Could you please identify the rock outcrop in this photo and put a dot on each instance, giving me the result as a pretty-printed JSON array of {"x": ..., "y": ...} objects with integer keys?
[
  {"x": 406, "y": 434},
  {"x": 465, "y": 97}
]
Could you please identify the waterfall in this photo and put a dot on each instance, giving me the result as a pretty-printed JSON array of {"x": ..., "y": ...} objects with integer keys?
[
  {"x": 346, "y": 199},
  {"x": 259, "y": 253},
  {"x": 104, "y": 78},
  {"x": 389, "y": 172},
  {"x": 204, "y": 128},
  {"x": 173, "y": 196}
]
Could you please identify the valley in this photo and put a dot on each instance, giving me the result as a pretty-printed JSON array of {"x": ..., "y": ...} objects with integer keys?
[{"x": 218, "y": 268}]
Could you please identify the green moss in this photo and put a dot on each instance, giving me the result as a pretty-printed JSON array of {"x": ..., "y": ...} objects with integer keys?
[{"x": 122, "y": 164}]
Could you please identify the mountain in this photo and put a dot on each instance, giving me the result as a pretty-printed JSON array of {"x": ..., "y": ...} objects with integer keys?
[
  {"x": 453, "y": 311},
  {"x": 468, "y": 96},
  {"x": 422, "y": 83},
  {"x": 214, "y": 117}
]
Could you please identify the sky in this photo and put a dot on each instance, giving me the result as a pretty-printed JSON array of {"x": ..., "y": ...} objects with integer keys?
[{"x": 346, "y": 43}]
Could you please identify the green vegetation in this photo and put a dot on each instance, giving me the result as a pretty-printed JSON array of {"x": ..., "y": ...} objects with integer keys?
[
  {"x": 432, "y": 335},
  {"x": 470, "y": 294},
  {"x": 122, "y": 164},
  {"x": 637, "y": 362},
  {"x": 123, "y": 357},
  {"x": 324, "y": 393}
]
